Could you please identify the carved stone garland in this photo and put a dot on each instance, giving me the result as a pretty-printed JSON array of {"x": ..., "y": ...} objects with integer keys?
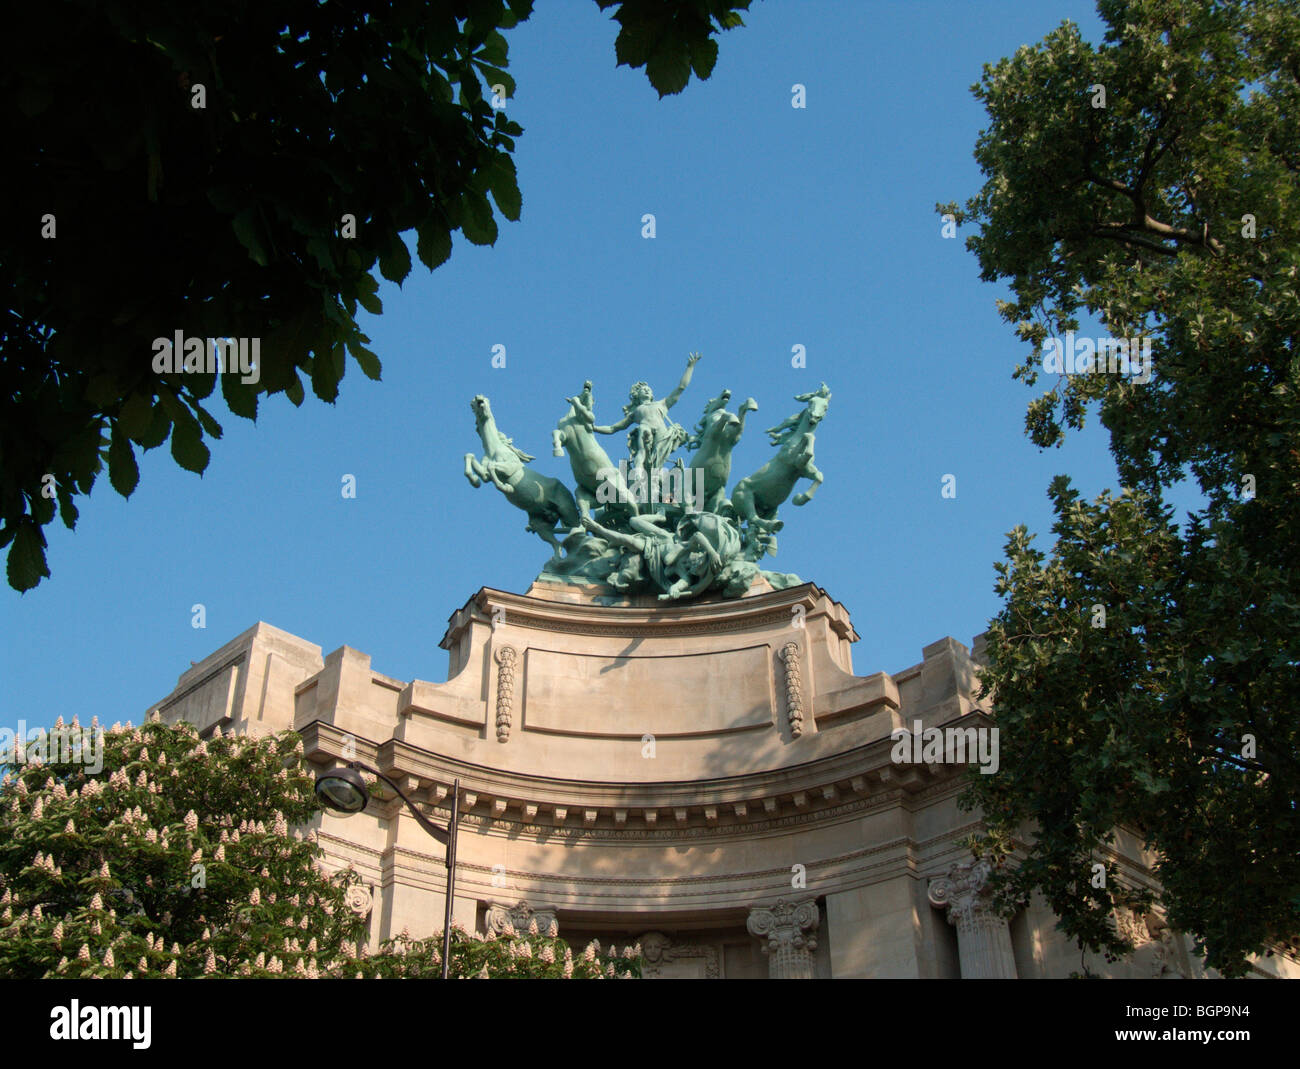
[
  {"x": 793, "y": 688},
  {"x": 505, "y": 658}
]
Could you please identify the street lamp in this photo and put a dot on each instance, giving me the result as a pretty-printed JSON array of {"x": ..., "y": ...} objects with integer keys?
[{"x": 344, "y": 791}]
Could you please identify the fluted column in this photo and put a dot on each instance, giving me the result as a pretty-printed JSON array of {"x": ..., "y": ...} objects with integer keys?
[
  {"x": 787, "y": 931},
  {"x": 983, "y": 937}
]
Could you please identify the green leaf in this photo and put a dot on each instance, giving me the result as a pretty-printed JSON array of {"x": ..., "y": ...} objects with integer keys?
[
  {"x": 495, "y": 76},
  {"x": 26, "y": 563},
  {"x": 367, "y": 290},
  {"x": 669, "y": 69},
  {"x": 248, "y": 228},
  {"x": 704, "y": 54},
  {"x": 326, "y": 370},
  {"x": 123, "y": 472},
  {"x": 210, "y": 426},
  {"x": 136, "y": 415},
  {"x": 368, "y": 361},
  {"x": 477, "y": 222},
  {"x": 67, "y": 510},
  {"x": 636, "y": 40},
  {"x": 241, "y": 397},
  {"x": 102, "y": 390},
  {"x": 159, "y": 424},
  {"x": 494, "y": 50},
  {"x": 188, "y": 449},
  {"x": 395, "y": 260},
  {"x": 505, "y": 186},
  {"x": 433, "y": 245}
]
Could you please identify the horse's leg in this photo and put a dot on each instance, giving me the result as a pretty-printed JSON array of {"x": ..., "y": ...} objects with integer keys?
[
  {"x": 585, "y": 500},
  {"x": 566, "y": 508},
  {"x": 742, "y": 502},
  {"x": 557, "y": 442},
  {"x": 490, "y": 472},
  {"x": 747, "y": 406},
  {"x": 544, "y": 528},
  {"x": 816, "y": 476},
  {"x": 473, "y": 472}
]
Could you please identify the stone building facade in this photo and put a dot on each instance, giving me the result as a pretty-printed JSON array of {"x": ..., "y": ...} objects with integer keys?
[{"x": 709, "y": 779}]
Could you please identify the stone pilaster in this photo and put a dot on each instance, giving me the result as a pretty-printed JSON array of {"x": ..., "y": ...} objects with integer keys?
[
  {"x": 787, "y": 930},
  {"x": 983, "y": 937}
]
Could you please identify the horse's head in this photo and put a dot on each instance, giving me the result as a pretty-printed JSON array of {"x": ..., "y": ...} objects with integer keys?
[
  {"x": 481, "y": 409},
  {"x": 728, "y": 427},
  {"x": 817, "y": 405}
]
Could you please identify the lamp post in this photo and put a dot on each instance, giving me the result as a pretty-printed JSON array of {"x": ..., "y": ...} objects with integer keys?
[{"x": 343, "y": 790}]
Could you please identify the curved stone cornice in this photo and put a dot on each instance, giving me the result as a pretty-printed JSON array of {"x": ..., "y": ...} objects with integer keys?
[
  {"x": 829, "y": 788},
  {"x": 620, "y": 621}
]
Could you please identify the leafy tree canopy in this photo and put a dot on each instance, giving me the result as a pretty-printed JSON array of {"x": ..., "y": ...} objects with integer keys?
[
  {"x": 177, "y": 857},
  {"x": 238, "y": 171},
  {"x": 1146, "y": 674}
]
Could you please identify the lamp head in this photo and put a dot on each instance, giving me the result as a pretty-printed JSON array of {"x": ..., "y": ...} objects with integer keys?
[{"x": 342, "y": 789}]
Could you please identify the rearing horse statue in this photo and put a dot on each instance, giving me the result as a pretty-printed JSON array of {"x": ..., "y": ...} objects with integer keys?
[
  {"x": 547, "y": 501},
  {"x": 756, "y": 498},
  {"x": 576, "y": 434},
  {"x": 716, "y": 436}
]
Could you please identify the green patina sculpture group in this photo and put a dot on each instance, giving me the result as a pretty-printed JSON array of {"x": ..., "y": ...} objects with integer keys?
[{"x": 651, "y": 523}]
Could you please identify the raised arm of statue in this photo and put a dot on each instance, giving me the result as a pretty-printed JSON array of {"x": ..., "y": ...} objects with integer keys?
[
  {"x": 581, "y": 409},
  {"x": 691, "y": 361},
  {"x": 614, "y": 428}
]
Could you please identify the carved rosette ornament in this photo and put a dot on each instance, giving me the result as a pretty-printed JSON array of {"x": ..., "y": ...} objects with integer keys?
[
  {"x": 520, "y": 917},
  {"x": 359, "y": 899},
  {"x": 505, "y": 658},
  {"x": 983, "y": 936},
  {"x": 787, "y": 930},
  {"x": 793, "y": 687}
]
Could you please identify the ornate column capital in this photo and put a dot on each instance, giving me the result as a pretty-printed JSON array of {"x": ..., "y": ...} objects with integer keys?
[
  {"x": 983, "y": 936},
  {"x": 787, "y": 930},
  {"x": 963, "y": 892}
]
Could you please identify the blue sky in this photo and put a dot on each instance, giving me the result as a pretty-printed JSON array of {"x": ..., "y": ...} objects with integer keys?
[{"x": 775, "y": 227}]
